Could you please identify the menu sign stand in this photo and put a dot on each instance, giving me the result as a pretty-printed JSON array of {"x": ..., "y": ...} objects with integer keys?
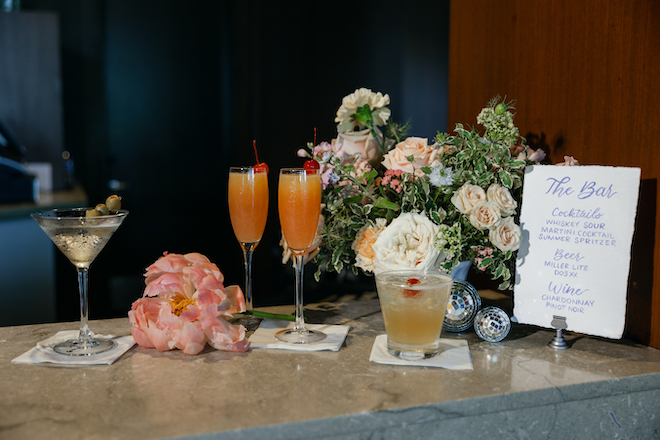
[{"x": 574, "y": 259}]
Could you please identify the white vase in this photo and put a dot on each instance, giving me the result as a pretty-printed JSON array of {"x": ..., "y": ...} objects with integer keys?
[{"x": 460, "y": 272}]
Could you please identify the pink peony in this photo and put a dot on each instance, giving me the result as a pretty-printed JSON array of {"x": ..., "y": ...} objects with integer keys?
[{"x": 184, "y": 306}]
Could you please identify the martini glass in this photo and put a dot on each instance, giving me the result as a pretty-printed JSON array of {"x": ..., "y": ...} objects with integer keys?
[
  {"x": 247, "y": 196},
  {"x": 80, "y": 239},
  {"x": 299, "y": 207}
]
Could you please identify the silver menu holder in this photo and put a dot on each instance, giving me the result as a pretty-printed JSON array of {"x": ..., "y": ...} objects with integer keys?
[{"x": 558, "y": 342}]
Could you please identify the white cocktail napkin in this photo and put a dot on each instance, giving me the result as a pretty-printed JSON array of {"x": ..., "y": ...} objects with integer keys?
[
  {"x": 43, "y": 353},
  {"x": 454, "y": 355},
  {"x": 264, "y": 336}
]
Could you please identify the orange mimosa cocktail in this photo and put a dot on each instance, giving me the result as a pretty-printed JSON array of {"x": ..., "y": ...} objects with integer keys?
[
  {"x": 299, "y": 206},
  {"x": 247, "y": 196},
  {"x": 248, "y": 203}
]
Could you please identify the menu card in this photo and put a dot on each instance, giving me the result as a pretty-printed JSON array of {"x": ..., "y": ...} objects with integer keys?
[{"x": 577, "y": 226}]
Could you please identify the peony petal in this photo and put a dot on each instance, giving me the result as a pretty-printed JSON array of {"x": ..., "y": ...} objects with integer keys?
[
  {"x": 190, "y": 338},
  {"x": 235, "y": 301},
  {"x": 141, "y": 337},
  {"x": 164, "y": 284},
  {"x": 168, "y": 263},
  {"x": 225, "y": 336}
]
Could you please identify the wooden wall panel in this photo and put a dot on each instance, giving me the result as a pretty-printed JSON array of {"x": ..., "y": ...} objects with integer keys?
[{"x": 586, "y": 78}]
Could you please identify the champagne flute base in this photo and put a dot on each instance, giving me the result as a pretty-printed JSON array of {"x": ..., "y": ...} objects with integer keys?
[
  {"x": 300, "y": 336},
  {"x": 84, "y": 347},
  {"x": 250, "y": 322}
]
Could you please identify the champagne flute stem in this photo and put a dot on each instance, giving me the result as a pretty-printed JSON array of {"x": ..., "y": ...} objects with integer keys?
[
  {"x": 83, "y": 283},
  {"x": 298, "y": 267},
  {"x": 248, "y": 250}
]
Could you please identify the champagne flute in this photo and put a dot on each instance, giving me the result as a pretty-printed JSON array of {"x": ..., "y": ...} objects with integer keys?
[
  {"x": 80, "y": 239},
  {"x": 248, "y": 209},
  {"x": 299, "y": 206}
]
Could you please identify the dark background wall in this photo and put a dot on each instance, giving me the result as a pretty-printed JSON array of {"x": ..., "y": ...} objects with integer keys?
[{"x": 163, "y": 96}]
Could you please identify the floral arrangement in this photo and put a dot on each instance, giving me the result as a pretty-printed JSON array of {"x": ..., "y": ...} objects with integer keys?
[
  {"x": 184, "y": 306},
  {"x": 393, "y": 202}
]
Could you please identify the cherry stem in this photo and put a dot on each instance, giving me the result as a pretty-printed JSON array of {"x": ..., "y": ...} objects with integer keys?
[
  {"x": 254, "y": 146},
  {"x": 315, "y": 136}
]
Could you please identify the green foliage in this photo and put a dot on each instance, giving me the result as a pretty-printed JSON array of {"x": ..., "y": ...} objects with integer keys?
[{"x": 359, "y": 194}]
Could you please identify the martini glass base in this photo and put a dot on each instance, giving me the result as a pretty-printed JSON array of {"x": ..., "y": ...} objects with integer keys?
[
  {"x": 84, "y": 347},
  {"x": 300, "y": 336}
]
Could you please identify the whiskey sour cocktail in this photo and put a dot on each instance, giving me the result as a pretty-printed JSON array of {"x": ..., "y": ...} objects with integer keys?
[{"x": 414, "y": 305}]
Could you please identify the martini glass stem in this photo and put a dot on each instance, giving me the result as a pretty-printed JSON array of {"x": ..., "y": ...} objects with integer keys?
[
  {"x": 248, "y": 250},
  {"x": 83, "y": 283},
  {"x": 298, "y": 268}
]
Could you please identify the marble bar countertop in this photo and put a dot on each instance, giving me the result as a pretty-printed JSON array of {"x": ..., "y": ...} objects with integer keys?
[{"x": 519, "y": 388}]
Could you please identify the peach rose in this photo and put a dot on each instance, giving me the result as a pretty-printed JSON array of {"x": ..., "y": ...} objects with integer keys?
[
  {"x": 423, "y": 154},
  {"x": 467, "y": 196},
  {"x": 363, "y": 244},
  {"x": 506, "y": 235},
  {"x": 484, "y": 215},
  {"x": 500, "y": 196}
]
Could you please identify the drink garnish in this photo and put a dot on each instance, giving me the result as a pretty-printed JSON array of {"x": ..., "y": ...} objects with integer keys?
[
  {"x": 112, "y": 205},
  {"x": 311, "y": 166},
  {"x": 260, "y": 166},
  {"x": 410, "y": 293}
]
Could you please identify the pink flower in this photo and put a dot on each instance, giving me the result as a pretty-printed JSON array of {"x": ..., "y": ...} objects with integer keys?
[
  {"x": 184, "y": 306},
  {"x": 569, "y": 161}
]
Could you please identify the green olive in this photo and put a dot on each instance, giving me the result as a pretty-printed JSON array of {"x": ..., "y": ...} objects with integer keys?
[
  {"x": 113, "y": 202},
  {"x": 101, "y": 208},
  {"x": 92, "y": 213},
  {"x": 500, "y": 108}
]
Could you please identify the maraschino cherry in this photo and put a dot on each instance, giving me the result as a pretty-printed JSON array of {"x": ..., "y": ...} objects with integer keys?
[
  {"x": 260, "y": 167},
  {"x": 409, "y": 293},
  {"x": 311, "y": 165}
]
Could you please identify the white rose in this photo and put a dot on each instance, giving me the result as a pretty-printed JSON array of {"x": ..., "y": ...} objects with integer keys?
[
  {"x": 423, "y": 154},
  {"x": 506, "y": 235},
  {"x": 500, "y": 196},
  {"x": 485, "y": 215},
  {"x": 407, "y": 243},
  {"x": 377, "y": 103},
  {"x": 467, "y": 196}
]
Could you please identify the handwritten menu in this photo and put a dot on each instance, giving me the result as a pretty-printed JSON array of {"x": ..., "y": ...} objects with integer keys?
[{"x": 577, "y": 226}]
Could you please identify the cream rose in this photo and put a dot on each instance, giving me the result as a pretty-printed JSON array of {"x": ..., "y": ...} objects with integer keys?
[
  {"x": 359, "y": 144},
  {"x": 485, "y": 215},
  {"x": 467, "y": 196},
  {"x": 407, "y": 243},
  {"x": 423, "y": 154},
  {"x": 500, "y": 196},
  {"x": 506, "y": 235}
]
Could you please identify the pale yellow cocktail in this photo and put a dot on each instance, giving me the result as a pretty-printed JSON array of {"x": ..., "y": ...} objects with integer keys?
[{"x": 414, "y": 305}]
